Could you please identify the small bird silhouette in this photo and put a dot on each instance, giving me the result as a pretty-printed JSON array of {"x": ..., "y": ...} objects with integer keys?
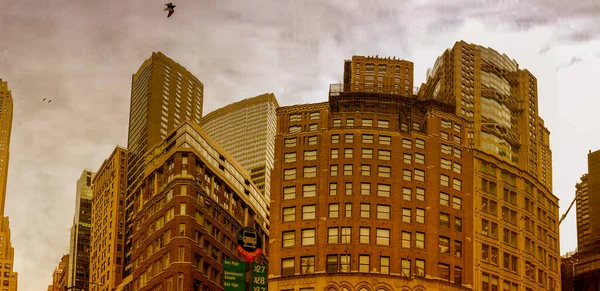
[
  {"x": 170, "y": 8},
  {"x": 49, "y": 101},
  {"x": 44, "y": 99}
]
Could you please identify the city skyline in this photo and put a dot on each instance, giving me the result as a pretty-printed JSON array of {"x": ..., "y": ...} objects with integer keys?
[{"x": 91, "y": 81}]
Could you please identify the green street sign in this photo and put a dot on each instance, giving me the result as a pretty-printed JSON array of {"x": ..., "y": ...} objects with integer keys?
[
  {"x": 259, "y": 277},
  {"x": 234, "y": 275}
]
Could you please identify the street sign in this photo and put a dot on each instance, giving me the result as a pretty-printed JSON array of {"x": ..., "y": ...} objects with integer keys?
[
  {"x": 249, "y": 243},
  {"x": 259, "y": 277},
  {"x": 234, "y": 275}
]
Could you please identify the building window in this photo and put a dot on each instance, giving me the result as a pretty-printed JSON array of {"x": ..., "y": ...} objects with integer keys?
[
  {"x": 307, "y": 265},
  {"x": 419, "y": 175},
  {"x": 444, "y": 199},
  {"x": 332, "y": 264},
  {"x": 444, "y": 220},
  {"x": 289, "y": 174},
  {"x": 363, "y": 263},
  {"x": 344, "y": 263},
  {"x": 346, "y": 236},
  {"x": 444, "y": 245},
  {"x": 365, "y": 189},
  {"x": 457, "y": 168},
  {"x": 406, "y": 215},
  {"x": 407, "y": 143},
  {"x": 289, "y": 214},
  {"x": 289, "y": 193},
  {"x": 295, "y": 129},
  {"x": 290, "y": 142},
  {"x": 312, "y": 127},
  {"x": 295, "y": 117},
  {"x": 458, "y": 224},
  {"x": 315, "y": 115},
  {"x": 309, "y": 190},
  {"x": 406, "y": 240},
  {"x": 458, "y": 248},
  {"x": 419, "y": 158},
  {"x": 489, "y": 228},
  {"x": 420, "y": 240},
  {"x": 420, "y": 268},
  {"x": 446, "y": 149},
  {"x": 348, "y": 153},
  {"x": 457, "y": 153},
  {"x": 456, "y": 203},
  {"x": 407, "y": 194},
  {"x": 383, "y": 211},
  {"x": 289, "y": 157},
  {"x": 347, "y": 170},
  {"x": 385, "y": 155},
  {"x": 333, "y": 189},
  {"x": 337, "y": 122},
  {"x": 420, "y": 215},
  {"x": 367, "y": 138},
  {"x": 384, "y": 265},
  {"x": 312, "y": 140},
  {"x": 365, "y": 210},
  {"x": 405, "y": 264},
  {"x": 385, "y": 140},
  {"x": 310, "y": 172},
  {"x": 419, "y": 143},
  {"x": 444, "y": 271},
  {"x": 458, "y": 276},
  {"x": 444, "y": 180},
  {"x": 407, "y": 175},
  {"x": 308, "y": 212},
  {"x": 364, "y": 235},
  {"x": 420, "y": 194},
  {"x": 310, "y": 155},
  {"x": 348, "y": 209},
  {"x": 333, "y": 235},
  {"x": 407, "y": 158},
  {"x": 288, "y": 238},
  {"x": 383, "y": 237},
  {"x": 308, "y": 237},
  {"x": 335, "y": 153},
  {"x": 334, "y": 210},
  {"x": 333, "y": 170},
  {"x": 350, "y": 122},
  {"x": 367, "y": 122},
  {"x": 489, "y": 254},
  {"x": 349, "y": 138},
  {"x": 365, "y": 170},
  {"x": 446, "y": 164},
  {"x": 384, "y": 172},
  {"x": 384, "y": 190},
  {"x": 348, "y": 188},
  {"x": 335, "y": 138},
  {"x": 367, "y": 153},
  {"x": 287, "y": 267},
  {"x": 457, "y": 184}
]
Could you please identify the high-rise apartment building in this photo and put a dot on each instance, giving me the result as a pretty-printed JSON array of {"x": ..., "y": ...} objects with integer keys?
[
  {"x": 108, "y": 222},
  {"x": 581, "y": 269},
  {"x": 59, "y": 278},
  {"x": 359, "y": 181},
  {"x": 379, "y": 75},
  {"x": 163, "y": 95},
  {"x": 246, "y": 130},
  {"x": 192, "y": 199},
  {"x": 79, "y": 252},
  {"x": 7, "y": 276},
  {"x": 516, "y": 215}
]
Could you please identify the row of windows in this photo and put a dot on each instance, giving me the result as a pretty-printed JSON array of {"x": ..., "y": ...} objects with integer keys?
[
  {"x": 298, "y": 117},
  {"x": 342, "y": 263},
  {"x": 382, "y": 211},
  {"x": 365, "y": 122},
  {"x": 366, "y": 139}
]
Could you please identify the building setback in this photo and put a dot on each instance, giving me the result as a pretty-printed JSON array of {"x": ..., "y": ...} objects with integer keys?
[
  {"x": 79, "y": 258},
  {"x": 163, "y": 95},
  {"x": 59, "y": 278},
  {"x": 246, "y": 130},
  {"x": 108, "y": 222},
  {"x": 192, "y": 199}
]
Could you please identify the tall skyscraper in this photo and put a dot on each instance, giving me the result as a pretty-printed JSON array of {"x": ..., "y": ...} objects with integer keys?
[
  {"x": 163, "y": 95},
  {"x": 450, "y": 189},
  {"x": 246, "y": 130},
  {"x": 108, "y": 222},
  {"x": 192, "y": 199},
  {"x": 7, "y": 276},
  {"x": 79, "y": 252}
]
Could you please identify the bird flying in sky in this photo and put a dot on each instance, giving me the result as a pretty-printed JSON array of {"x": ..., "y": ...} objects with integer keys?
[
  {"x": 48, "y": 100},
  {"x": 170, "y": 8}
]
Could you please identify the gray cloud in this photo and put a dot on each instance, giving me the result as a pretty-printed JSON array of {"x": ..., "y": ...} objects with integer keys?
[{"x": 81, "y": 54}]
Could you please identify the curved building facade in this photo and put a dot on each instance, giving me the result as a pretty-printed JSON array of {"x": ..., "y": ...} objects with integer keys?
[
  {"x": 359, "y": 199},
  {"x": 516, "y": 215}
]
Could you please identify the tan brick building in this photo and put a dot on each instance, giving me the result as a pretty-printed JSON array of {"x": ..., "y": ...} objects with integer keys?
[{"x": 108, "y": 222}]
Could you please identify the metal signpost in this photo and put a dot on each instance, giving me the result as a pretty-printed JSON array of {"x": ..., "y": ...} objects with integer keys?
[{"x": 246, "y": 276}]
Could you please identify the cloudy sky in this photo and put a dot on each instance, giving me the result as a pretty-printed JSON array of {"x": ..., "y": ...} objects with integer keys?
[{"x": 81, "y": 54}]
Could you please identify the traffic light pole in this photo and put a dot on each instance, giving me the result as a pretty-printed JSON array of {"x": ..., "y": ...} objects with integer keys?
[{"x": 249, "y": 275}]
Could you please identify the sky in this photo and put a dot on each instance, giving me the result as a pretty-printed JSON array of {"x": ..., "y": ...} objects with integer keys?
[{"x": 81, "y": 54}]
